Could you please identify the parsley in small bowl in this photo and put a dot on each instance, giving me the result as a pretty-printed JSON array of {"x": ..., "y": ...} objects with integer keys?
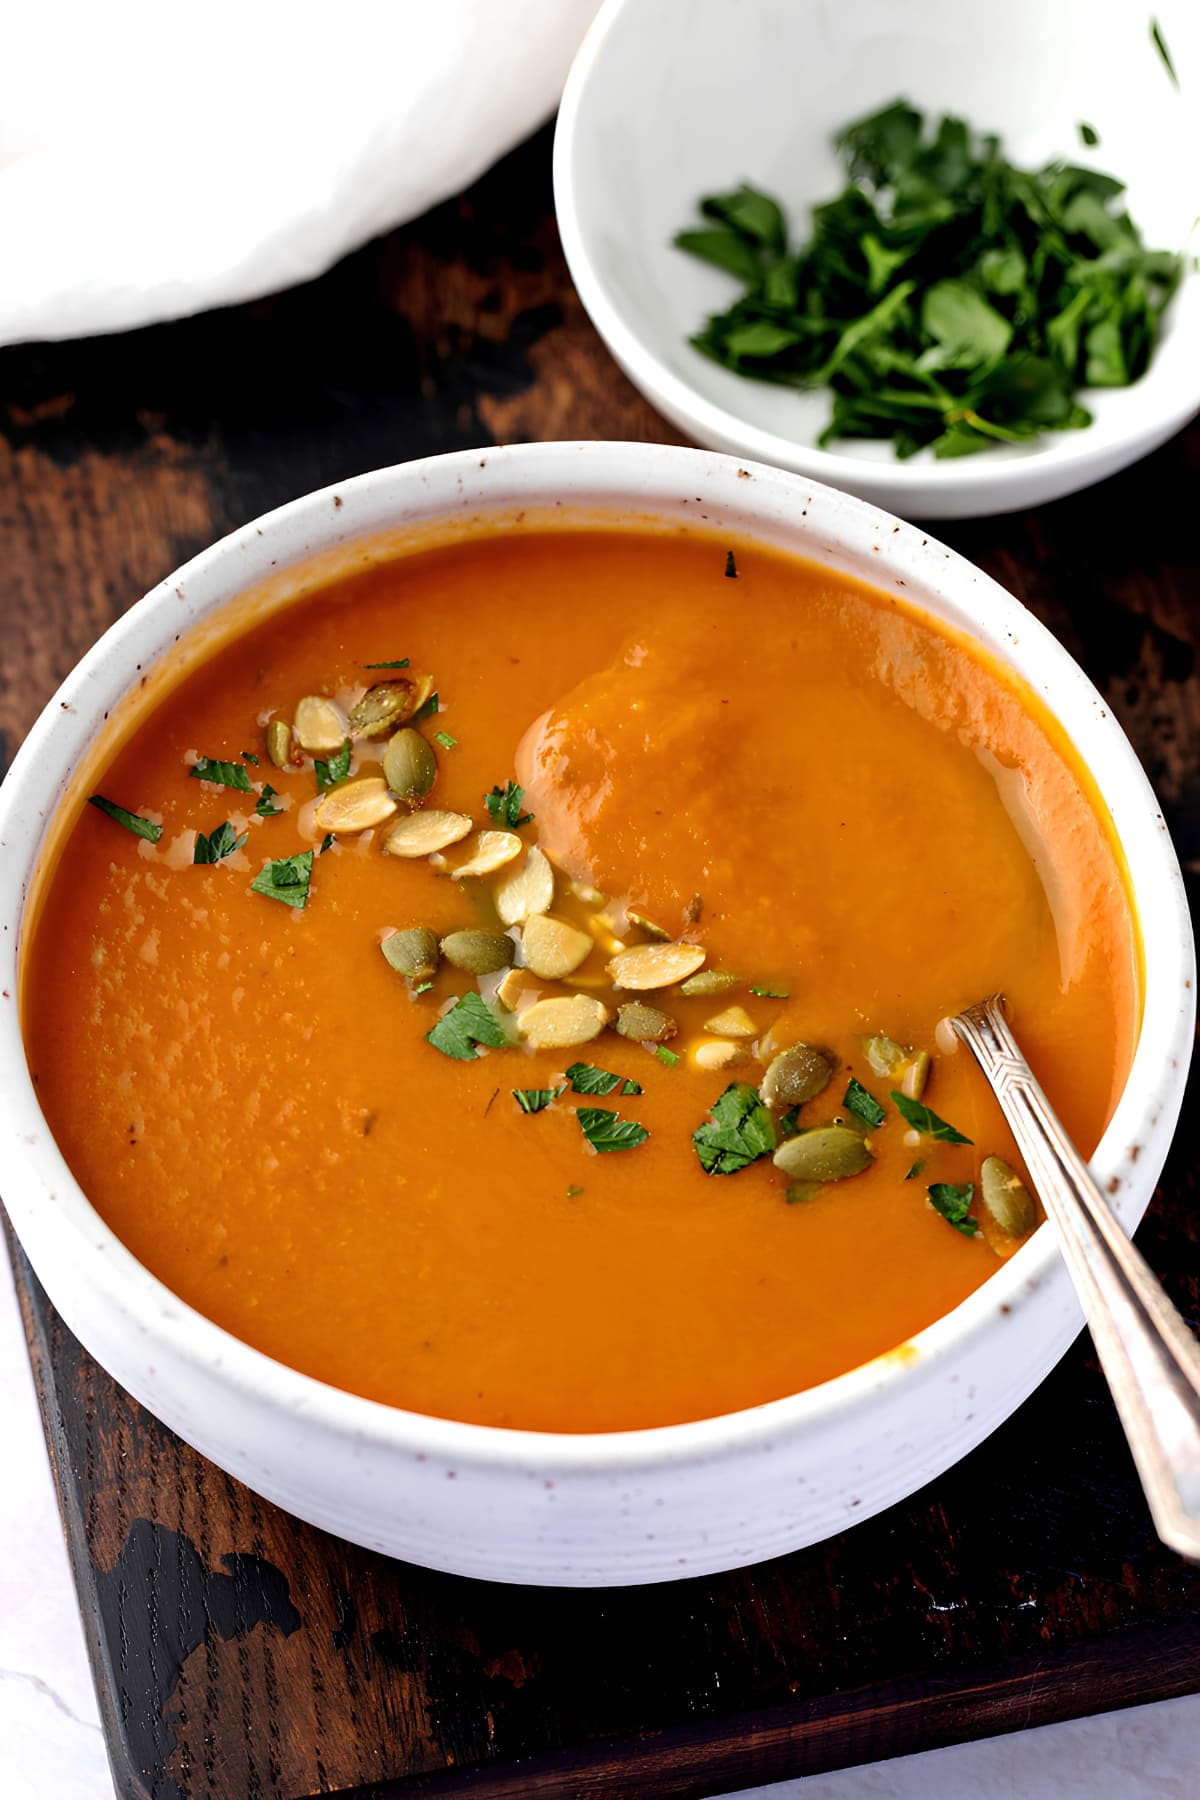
[{"x": 954, "y": 274}]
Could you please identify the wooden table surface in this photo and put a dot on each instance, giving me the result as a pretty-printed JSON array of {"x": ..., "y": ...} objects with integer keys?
[{"x": 239, "y": 1653}]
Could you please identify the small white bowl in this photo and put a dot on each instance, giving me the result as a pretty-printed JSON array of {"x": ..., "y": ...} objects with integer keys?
[
  {"x": 672, "y": 99},
  {"x": 602, "y": 1508}
]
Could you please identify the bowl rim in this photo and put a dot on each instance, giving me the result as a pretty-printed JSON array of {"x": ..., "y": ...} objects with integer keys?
[
  {"x": 984, "y": 478},
  {"x": 644, "y": 473}
]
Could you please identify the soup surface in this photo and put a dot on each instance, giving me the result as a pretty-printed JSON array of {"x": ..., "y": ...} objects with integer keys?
[{"x": 854, "y": 821}]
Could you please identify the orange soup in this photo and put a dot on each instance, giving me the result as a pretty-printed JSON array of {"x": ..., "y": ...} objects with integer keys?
[{"x": 504, "y": 983}]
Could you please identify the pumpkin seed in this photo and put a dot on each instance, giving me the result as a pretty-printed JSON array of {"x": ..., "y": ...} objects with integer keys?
[
  {"x": 1007, "y": 1198},
  {"x": 645, "y": 1024},
  {"x": 511, "y": 986},
  {"x": 279, "y": 742},
  {"x": 319, "y": 725},
  {"x": 916, "y": 1074},
  {"x": 712, "y": 1054},
  {"x": 425, "y": 833},
  {"x": 410, "y": 766},
  {"x": 708, "y": 981},
  {"x": 478, "y": 952},
  {"x": 490, "y": 850},
  {"x": 528, "y": 890},
  {"x": 355, "y": 805},
  {"x": 413, "y": 952},
  {"x": 562, "y": 1023},
  {"x": 734, "y": 1022},
  {"x": 884, "y": 1054},
  {"x": 389, "y": 704},
  {"x": 797, "y": 1075},
  {"x": 826, "y": 1153},
  {"x": 552, "y": 948},
  {"x": 648, "y": 928},
  {"x": 654, "y": 965}
]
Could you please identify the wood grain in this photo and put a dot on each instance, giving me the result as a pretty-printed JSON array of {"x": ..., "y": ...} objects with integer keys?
[{"x": 239, "y": 1653}]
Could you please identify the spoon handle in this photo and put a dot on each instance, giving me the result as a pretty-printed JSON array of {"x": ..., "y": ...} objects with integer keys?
[{"x": 1147, "y": 1352}]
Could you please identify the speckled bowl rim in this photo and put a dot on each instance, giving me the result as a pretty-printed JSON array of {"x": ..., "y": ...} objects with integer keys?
[{"x": 1145, "y": 1114}]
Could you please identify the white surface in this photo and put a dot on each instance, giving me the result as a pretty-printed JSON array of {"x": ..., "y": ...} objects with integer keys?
[
  {"x": 51, "y": 1747},
  {"x": 584, "y": 1509},
  {"x": 156, "y": 160},
  {"x": 668, "y": 100}
]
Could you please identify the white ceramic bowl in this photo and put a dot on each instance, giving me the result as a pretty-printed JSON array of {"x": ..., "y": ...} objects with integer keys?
[
  {"x": 626, "y": 1506},
  {"x": 672, "y": 99}
]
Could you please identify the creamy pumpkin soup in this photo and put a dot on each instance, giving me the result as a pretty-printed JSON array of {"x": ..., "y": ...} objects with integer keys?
[{"x": 505, "y": 982}]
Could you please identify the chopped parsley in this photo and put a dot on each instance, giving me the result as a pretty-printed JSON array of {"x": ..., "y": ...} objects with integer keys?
[
  {"x": 573, "y": 1191},
  {"x": 922, "y": 1119},
  {"x": 218, "y": 844},
  {"x": 789, "y": 1122},
  {"x": 668, "y": 1058},
  {"x": 730, "y": 565},
  {"x": 914, "y": 1169},
  {"x": 445, "y": 740},
  {"x": 585, "y": 1078},
  {"x": 422, "y": 987},
  {"x": 249, "y": 756},
  {"x": 953, "y": 1203},
  {"x": 1160, "y": 44},
  {"x": 504, "y": 804},
  {"x": 263, "y": 806},
  {"x": 1088, "y": 134},
  {"x": 326, "y": 841},
  {"x": 946, "y": 297},
  {"x": 121, "y": 815},
  {"x": 225, "y": 774},
  {"x": 286, "y": 879},
  {"x": 535, "y": 1100},
  {"x": 863, "y": 1105},
  {"x": 606, "y": 1130},
  {"x": 328, "y": 774},
  {"x": 766, "y": 992},
  {"x": 430, "y": 707},
  {"x": 401, "y": 663},
  {"x": 740, "y": 1132},
  {"x": 469, "y": 1022}
]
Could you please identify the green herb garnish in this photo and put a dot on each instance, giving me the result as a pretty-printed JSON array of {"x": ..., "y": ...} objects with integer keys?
[
  {"x": 606, "y": 1130},
  {"x": 401, "y": 663},
  {"x": 730, "y": 566},
  {"x": 585, "y": 1078},
  {"x": 422, "y": 987},
  {"x": 469, "y": 1022},
  {"x": 504, "y": 804},
  {"x": 947, "y": 298},
  {"x": 218, "y": 844},
  {"x": 668, "y": 1058},
  {"x": 427, "y": 709},
  {"x": 766, "y": 992},
  {"x": 1088, "y": 134},
  {"x": 286, "y": 879},
  {"x": 445, "y": 740},
  {"x": 863, "y": 1105},
  {"x": 535, "y": 1100},
  {"x": 741, "y": 1131},
  {"x": 789, "y": 1122},
  {"x": 914, "y": 1169},
  {"x": 1160, "y": 44},
  {"x": 249, "y": 756},
  {"x": 573, "y": 1190},
  {"x": 326, "y": 842},
  {"x": 225, "y": 774},
  {"x": 263, "y": 806},
  {"x": 328, "y": 774},
  {"x": 131, "y": 821},
  {"x": 952, "y": 1202},
  {"x": 927, "y": 1122}
]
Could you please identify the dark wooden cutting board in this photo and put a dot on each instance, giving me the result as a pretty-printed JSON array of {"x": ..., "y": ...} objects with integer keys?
[{"x": 238, "y": 1653}]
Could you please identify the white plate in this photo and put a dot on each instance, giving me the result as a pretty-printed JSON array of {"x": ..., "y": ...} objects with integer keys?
[{"x": 672, "y": 99}]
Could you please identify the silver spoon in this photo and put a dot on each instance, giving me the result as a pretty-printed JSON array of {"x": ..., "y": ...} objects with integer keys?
[{"x": 1149, "y": 1357}]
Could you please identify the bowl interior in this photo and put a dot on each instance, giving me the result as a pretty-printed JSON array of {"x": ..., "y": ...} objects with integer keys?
[{"x": 687, "y": 97}]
